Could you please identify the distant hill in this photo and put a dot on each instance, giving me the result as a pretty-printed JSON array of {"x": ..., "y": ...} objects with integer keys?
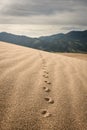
[{"x": 74, "y": 41}]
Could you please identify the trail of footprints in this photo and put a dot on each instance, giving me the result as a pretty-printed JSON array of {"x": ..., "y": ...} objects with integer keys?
[{"x": 46, "y": 89}]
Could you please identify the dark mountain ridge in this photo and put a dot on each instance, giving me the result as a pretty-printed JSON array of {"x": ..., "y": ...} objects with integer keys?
[{"x": 74, "y": 41}]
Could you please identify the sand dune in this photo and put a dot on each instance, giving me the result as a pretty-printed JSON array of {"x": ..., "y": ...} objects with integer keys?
[
  {"x": 76, "y": 55},
  {"x": 41, "y": 90}
]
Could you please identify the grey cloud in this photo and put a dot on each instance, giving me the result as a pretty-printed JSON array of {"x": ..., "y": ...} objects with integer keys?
[
  {"x": 53, "y": 12},
  {"x": 38, "y": 7},
  {"x": 58, "y": 20}
]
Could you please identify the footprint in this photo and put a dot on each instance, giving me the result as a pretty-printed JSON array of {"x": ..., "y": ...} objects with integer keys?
[
  {"x": 48, "y": 82},
  {"x": 46, "y": 89},
  {"x": 45, "y": 113},
  {"x": 49, "y": 100},
  {"x": 46, "y": 76},
  {"x": 44, "y": 68},
  {"x": 46, "y": 72},
  {"x": 43, "y": 61}
]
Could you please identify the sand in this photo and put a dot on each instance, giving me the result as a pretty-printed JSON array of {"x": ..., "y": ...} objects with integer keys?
[
  {"x": 41, "y": 90},
  {"x": 82, "y": 56}
]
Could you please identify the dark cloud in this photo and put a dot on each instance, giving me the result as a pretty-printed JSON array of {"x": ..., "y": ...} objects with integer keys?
[
  {"x": 37, "y": 7},
  {"x": 40, "y": 7},
  {"x": 44, "y": 12}
]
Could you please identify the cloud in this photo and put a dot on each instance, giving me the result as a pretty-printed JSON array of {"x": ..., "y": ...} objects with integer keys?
[
  {"x": 66, "y": 14},
  {"x": 40, "y": 7},
  {"x": 35, "y": 7},
  {"x": 66, "y": 18}
]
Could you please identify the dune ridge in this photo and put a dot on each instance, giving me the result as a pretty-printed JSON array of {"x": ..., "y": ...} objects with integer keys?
[{"x": 41, "y": 90}]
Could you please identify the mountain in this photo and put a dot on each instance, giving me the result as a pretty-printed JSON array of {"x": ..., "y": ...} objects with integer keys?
[
  {"x": 74, "y": 41},
  {"x": 16, "y": 39}
]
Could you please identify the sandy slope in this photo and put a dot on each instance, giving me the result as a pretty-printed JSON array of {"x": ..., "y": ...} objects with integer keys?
[
  {"x": 76, "y": 55},
  {"x": 41, "y": 91}
]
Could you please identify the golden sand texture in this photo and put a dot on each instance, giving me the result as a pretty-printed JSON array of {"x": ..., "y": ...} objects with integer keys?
[
  {"x": 76, "y": 55},
  {"x": 41, "y": 90}
]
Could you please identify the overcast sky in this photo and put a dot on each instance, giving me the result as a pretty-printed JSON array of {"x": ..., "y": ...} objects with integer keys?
[{"x": 42, "y": 17}]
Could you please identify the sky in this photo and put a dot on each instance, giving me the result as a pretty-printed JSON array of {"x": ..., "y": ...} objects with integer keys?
[{"x": 36, "y": 18}]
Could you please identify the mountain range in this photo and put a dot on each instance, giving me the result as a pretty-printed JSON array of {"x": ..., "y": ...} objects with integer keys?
[{"x": 74, "y": 41}]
